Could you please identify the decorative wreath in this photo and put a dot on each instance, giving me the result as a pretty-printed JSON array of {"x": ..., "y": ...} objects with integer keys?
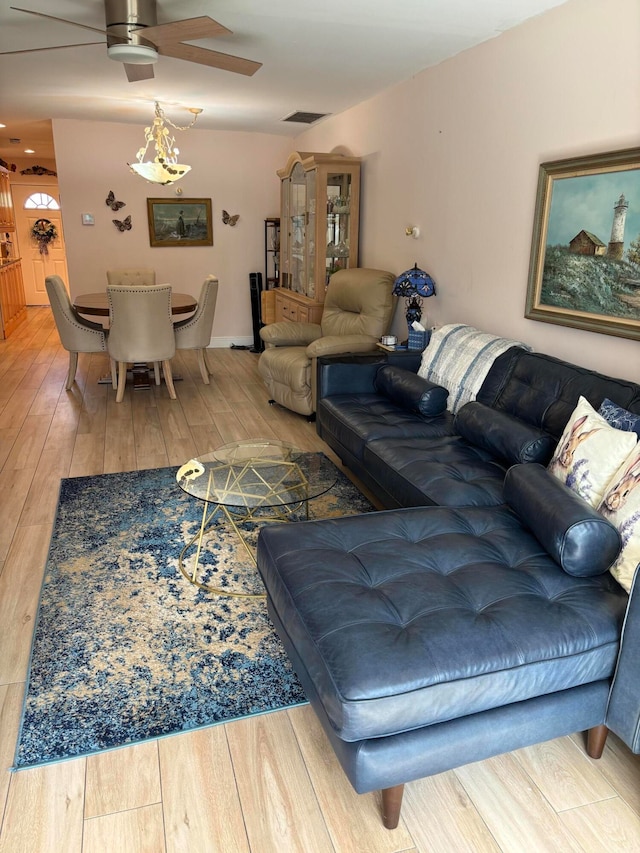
[{"x": 44, "y": 232}]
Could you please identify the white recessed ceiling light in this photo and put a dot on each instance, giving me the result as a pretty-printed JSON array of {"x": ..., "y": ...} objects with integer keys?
[
  {"x": 29, "y": 151},
  {"x": 2, "y": 125}
]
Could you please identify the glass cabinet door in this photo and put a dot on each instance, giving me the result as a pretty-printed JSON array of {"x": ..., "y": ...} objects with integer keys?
[
  {"x": 285, "y": 251},
  {"x": 298, "y": 228},
  {"x": 311, "y": 231},
  {"x": 338, "y": 241}
]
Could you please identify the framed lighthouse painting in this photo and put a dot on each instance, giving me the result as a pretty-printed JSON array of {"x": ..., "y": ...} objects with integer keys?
[{"x": 585, "y": 254}]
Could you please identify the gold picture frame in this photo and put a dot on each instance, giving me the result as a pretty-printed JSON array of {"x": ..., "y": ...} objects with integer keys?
[
  {"x": 180, "y": 222},
  {"x": 575, "y": 277}
]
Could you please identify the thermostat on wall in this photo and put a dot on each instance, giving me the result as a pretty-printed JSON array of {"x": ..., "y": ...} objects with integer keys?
[{"x": 87, "y": 219}]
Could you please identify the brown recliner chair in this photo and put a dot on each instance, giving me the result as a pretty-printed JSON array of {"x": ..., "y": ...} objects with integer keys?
[{"x": 358, "y": 309}]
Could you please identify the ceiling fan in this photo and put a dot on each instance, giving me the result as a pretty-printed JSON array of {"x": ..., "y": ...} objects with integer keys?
[{"x": 136, "y": 39}]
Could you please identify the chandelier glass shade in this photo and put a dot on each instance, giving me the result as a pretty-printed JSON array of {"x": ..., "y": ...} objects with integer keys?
[{"x": 164, "y": 168}]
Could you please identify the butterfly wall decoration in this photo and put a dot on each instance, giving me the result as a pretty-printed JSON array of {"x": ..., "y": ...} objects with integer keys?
[
  {"x": 111, "y": 202},
  {"x": 125, "y": 225},
  {"x": 229, "y": 220}
]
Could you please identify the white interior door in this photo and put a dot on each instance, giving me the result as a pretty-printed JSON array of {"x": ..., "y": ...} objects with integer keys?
[{"x": 36, "y": 265}]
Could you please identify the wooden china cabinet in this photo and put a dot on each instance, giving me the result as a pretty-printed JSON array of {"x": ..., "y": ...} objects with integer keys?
[
  {"x": 13, "y": 308},
  {"x": 7, "y": 222},
  {"x": 319, "y": 219}
]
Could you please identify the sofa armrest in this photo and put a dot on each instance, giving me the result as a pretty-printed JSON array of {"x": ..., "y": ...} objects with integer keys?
[
  {"x": 348, "y": 374},
  {"x": 337, "y": 344},
  {"x": 623, "y": 711},
  {"x": 286, "y": 334},
  {"x": 406, "y": 359}
]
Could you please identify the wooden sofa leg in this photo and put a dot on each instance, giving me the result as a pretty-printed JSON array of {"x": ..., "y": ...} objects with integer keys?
[
  {"x": 596, "y": 739},
  {"x": 391, "y": 805}
]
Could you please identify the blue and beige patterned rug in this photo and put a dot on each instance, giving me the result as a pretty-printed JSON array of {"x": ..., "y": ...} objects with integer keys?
[{"x": 125, "y": 648}]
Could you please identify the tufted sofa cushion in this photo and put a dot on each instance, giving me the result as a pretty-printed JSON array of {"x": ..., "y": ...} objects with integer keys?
[
  {"x": 412, "y": 617},
  {"x": 352, "y": 420},
  {"x": 543, "y": 391},
  {"x": 446, "y": 471}
]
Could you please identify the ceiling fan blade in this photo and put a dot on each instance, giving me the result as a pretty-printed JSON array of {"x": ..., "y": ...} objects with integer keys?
[
  {"x": 62, "y": 20},
  {"x": 187, "y": 30},
  {"x": 212, "y": 58},
  {"x": 138, "y": 72},
  {"x": 55, "y": 47}
]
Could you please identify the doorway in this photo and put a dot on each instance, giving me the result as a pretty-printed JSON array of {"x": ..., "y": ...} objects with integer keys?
[{"x": 37, "y": 265}]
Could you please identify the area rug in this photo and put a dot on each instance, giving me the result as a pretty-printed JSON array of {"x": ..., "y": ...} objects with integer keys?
[{"x": 125, "y": 648}]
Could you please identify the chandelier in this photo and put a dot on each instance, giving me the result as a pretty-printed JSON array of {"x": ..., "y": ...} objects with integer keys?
[{"x": 164, "y": 168}]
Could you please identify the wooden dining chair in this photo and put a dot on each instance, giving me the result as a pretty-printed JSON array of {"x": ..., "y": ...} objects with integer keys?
[
  {"x": 195, "y": 333},
  {"x": 76, "y": 334},
  {"x": 141, "y": 330}
]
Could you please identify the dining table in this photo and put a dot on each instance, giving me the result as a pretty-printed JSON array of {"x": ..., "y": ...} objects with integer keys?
[{"x": 97, "y": 305}]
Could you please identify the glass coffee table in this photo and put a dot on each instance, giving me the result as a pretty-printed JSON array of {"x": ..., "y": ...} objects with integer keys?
[{"x": 252, "y": 480}]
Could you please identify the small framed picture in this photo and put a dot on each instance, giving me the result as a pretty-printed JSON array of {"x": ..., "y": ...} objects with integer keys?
[
  {"x": 180, "y": 222},
  {"x": 87, "y": 219}
]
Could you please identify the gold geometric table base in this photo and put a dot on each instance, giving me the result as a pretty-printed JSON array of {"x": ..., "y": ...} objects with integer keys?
[{"x": 241, "y": 484}]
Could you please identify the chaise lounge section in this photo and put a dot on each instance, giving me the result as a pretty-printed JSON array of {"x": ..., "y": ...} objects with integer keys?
[{"x": 477, "y": 621}]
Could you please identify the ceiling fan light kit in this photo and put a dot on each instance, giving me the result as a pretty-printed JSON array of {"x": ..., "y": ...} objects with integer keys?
[
  {"x": 133, "y": 54},
  {"x": 135, "y": 39},
  {"x": 164, "y": 168}
]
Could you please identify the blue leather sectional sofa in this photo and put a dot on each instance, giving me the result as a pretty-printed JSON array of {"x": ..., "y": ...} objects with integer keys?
[{"x": 476, "y": 614}]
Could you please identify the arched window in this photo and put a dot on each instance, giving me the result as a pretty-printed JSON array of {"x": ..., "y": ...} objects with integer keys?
[{"x": 41, "y": 201}]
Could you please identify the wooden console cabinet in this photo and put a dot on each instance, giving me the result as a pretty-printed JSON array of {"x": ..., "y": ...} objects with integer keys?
[
  {"x": 296, "y": 308},
  {"x": 7, "y": 220},
  {"x": 13, "y": 307}
]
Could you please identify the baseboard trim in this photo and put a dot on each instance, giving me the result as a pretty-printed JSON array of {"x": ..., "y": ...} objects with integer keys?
[{"x": 225, "y": 343}]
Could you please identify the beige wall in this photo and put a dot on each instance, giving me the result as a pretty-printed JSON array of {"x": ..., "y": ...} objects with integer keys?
[
  {"x": 456, "y": 151},
  {"x": 237, "y": 171}
]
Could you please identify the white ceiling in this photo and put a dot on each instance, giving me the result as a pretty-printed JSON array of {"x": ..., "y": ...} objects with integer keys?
[{"x": 318, "y": 55}]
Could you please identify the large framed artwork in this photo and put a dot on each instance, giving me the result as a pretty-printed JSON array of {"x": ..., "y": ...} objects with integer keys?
[
  {"x": 585, "y": 255},
  {"x": 180, "y": 222}
]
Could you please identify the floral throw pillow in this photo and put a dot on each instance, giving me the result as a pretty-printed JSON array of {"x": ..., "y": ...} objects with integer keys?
[
  {"x": 618, "y": 417},
  {"x": 589, "y": 453},
  {"x": 621, "y": 506}
]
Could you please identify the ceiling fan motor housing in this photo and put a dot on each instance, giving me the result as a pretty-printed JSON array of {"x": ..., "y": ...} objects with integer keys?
[{"x": 123, "y": 19}]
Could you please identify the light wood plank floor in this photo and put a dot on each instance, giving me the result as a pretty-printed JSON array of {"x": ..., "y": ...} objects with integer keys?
[{"x": 269, "y": 783}]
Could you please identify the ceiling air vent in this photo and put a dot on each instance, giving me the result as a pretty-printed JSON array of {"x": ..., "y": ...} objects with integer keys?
[{"x": 304, "y": 117}]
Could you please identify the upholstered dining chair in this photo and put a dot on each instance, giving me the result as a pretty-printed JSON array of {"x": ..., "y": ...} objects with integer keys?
[
  {"x": 358, "y": 309},
  {"x": 141, "y": 329},
  {"x": 137, "y": 276},
  {"x": 195, "y": 333},
  {"x": 76, "y": 334}
]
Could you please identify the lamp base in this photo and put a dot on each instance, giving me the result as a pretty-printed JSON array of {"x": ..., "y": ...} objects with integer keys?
[{"x": 413, "y": 312}]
